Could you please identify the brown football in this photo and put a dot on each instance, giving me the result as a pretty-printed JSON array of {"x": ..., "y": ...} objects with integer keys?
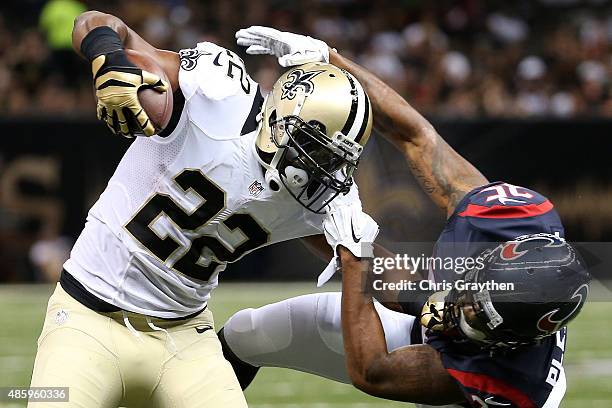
[{"x": 157, "y": 105}]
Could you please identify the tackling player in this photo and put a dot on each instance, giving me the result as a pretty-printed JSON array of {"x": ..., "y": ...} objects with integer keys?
[
  {"x": 128, "y": 322},
  {"x": 477, "y": 348}
]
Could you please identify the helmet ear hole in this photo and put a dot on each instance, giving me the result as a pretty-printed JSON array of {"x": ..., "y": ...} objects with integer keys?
[
  {"x": 273, "y": 180},
  {"x": 274, "y": 185}
]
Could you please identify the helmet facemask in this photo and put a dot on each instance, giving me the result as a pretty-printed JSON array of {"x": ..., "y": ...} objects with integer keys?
[
  {"x": 313, "y": 168},
  {"x": 477, "y": 321},
  {"x": 470, "y": 317},
  {"x": 464, "y": 319}
]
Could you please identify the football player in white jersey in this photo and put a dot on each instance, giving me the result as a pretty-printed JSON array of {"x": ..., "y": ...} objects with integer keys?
[{"x": 128, "y": 323}]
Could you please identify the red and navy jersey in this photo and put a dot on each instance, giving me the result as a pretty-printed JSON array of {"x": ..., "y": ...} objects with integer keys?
[{"x": 530, "y": 376}]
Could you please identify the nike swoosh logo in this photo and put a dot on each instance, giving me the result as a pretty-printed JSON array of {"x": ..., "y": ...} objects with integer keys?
[
  {"x": 202, "y": 329},
  {"x": 353, "y": 233},
  {"x": 490, "y": 401}
]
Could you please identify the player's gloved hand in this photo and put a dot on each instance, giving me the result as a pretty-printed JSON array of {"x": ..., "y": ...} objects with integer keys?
[
  {"x": 117, "y": 81},
  {"x": 347, "y": 225},
  {"x": 291, "y": 49}
]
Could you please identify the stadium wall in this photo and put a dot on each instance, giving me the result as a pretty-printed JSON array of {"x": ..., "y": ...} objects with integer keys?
[{"x": 52, "y": 170}]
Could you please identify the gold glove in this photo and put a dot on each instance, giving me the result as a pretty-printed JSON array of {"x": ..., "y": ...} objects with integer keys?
[{"x": 117, "y": 82}]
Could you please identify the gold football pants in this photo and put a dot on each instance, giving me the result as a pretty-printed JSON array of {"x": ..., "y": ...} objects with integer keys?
[{"x": 127, "y": 359}]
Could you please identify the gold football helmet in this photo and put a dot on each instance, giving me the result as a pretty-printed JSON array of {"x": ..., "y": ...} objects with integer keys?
[{"x": 314, "y": 125}]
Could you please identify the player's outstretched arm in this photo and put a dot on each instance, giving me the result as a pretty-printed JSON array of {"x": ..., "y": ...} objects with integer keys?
[
  {"x": 102, "y": 39},
  {"x": 412, "y": 374},
  {"x": 442, "y": 172}
]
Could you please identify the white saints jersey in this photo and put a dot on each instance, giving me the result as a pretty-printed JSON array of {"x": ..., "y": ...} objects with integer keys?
[{"x": 179, "y": 208}]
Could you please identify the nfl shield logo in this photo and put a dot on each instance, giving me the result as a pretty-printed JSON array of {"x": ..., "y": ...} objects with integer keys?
[{"x": 255, "y": 188}]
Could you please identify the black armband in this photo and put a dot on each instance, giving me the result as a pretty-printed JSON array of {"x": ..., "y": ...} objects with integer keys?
[
  {"x": 412, "y": 301},
  {"x": 99, "y": 41}
]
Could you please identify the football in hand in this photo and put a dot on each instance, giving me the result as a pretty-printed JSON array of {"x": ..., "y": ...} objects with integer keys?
[{"x": 157, "y": 105}]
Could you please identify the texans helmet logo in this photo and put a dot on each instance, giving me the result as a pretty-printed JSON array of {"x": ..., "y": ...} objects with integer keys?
[
  {"x": 509, "y": 251},
  {"x": 298, "y": 80},
  {"x": 553, "y": 321},
  {"x": 515, "y": 249}
]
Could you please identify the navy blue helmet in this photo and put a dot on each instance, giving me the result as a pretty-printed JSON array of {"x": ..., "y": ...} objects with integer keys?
[{"x": 547, "y": 283}]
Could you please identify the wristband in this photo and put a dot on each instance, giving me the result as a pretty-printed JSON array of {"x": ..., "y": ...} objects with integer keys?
[{"x": 99, "y": 41}]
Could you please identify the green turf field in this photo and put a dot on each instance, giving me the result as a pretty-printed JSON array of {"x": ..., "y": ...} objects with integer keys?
[{"x": 588, "y": 359}]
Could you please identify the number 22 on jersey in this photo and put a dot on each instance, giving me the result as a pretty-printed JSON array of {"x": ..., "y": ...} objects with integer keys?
[{"x": 214, "y": 201}]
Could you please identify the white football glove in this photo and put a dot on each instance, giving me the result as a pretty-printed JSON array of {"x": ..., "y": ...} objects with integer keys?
[
  {"x": 346, "y": 224},
  {"x": 290, "y": 49},
  {"x": 349, "y": 226}
]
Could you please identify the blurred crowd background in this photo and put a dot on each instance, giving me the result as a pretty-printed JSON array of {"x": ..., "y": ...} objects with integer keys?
[
  {"x": 467, "y": 58},
  {"x": 521, "y": 88}
]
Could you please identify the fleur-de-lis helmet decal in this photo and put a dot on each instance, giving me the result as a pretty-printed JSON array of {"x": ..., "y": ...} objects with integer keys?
[{"x": 299, "y": 79}]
